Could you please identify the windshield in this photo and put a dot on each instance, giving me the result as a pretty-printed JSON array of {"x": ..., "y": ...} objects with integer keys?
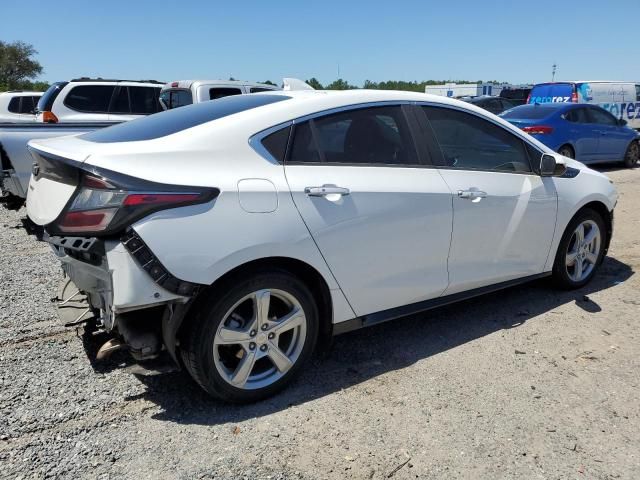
[
  {"x": 533, "y": 112},
  {"x": 551, "y": 93},
  {"x": 178, "y": 119}
]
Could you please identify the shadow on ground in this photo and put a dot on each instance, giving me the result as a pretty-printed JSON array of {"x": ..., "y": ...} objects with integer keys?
[{"x": 361, "y": 355}]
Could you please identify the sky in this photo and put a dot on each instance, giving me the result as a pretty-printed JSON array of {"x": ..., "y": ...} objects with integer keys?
[{"x": 511, "y": 41}]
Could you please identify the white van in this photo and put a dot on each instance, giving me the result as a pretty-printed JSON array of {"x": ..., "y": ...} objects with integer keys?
[{"x": 622, "y": 99}]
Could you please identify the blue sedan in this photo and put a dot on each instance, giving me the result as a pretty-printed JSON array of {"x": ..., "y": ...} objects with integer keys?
[{"x": 585, "y": 132}]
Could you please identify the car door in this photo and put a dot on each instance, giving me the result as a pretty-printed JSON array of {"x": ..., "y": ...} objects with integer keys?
[
  {"x": 613, "y": 138},
  {"x": 380, "y": 218},
  {"x": 584, "y": 135},
  {"x": 503, "y": 213}
]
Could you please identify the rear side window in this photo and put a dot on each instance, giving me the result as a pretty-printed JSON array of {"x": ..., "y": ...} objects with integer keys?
[
  {"x": 90, "y": 98},
  {"x": 46, "y": 100},
  {"x": 144, "y": 100},
  {"x": 176, "y": 98},
  {"x": 14, "y": 105},
  {"x": 276, "y": 143},
  {"x": 259, "y": 89},
  {"x": 637, "y": 93},
  {"x": 551, "y": 93},
  {"x": 469, "y": 142},
  {"x": 220, "y": 92},
  {"x": 577, "y": 115},
  {"x": 179, "y": 119},
  {"x": 370, "y": 136},
  {"x": 27, "y": 105}
]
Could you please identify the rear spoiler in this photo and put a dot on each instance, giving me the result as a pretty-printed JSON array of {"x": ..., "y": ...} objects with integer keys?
[{"x": 295, "y": 84}]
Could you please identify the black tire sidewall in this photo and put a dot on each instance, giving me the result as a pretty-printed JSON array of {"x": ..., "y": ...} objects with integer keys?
[
  {"x": 631, "y": 163},
  {"x": 568, "y": 148},
  {"x": 560, "y": 275},
  {"x": 210, "y": 313}
]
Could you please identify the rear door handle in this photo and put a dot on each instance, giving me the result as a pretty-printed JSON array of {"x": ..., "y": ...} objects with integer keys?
[
  {"x": 471, "y": 194},
  {"x": 326, "y": 190}
]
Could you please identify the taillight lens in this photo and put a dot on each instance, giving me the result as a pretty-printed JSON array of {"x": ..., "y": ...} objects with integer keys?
[
  {"x": 574, "y": 97},
  {"x": 528, "y": 98},
  {"x": 49, "y": 117},
  {"x": 102, "y": 206},
  {"x": 538, "y": 130}
]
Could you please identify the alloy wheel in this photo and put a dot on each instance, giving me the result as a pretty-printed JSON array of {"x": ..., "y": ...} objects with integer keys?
[
  {"x": 260, "y": 339},
  {"x": 583, "y": 251}
]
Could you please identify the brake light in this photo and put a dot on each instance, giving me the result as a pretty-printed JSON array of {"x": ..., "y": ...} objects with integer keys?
[
  {"x": 174, "y": 84},
  {"x": 528, "y": 98},
  {"x": 574, "y": 97},
  {"x": 102, "y": 206},
  {"x": 538, "y": 130},
  {"x": 49, "y": 117}
]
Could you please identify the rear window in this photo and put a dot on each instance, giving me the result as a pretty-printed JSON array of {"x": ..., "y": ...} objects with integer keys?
[
  {"x": 144, "y": 100},
  {"x": 551, "y": 93},
  {"x": 179, "y": 119},
  {"x": 515, "y": 93},
  {"x": 90, "y": 98},
  {"x": 46, "y": 100},
  {"x": 14, "y": 105},
  {"x": 532, "y": 112},
  {"x": 221, "y": 92},
  {"x": 176, "y": 98}
]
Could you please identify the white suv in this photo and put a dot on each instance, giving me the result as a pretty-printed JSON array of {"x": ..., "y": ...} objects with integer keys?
[
  {"x": 235, "y": 234},
  {"x": 18, "y": 106},
  {"x": 185, "y": 92},
  {"x": 98, "y": 100}
]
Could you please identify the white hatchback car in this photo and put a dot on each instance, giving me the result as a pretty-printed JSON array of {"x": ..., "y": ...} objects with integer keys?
[{"x": 238, "y": 233}]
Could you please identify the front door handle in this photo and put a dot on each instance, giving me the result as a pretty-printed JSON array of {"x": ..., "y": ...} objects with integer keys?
[
  {"x": 326, "y": 190},
  {"x": 471, "y": 194}
]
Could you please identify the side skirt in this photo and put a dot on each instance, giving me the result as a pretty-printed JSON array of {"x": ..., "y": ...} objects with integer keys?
[{"x": 397, "y": 312}]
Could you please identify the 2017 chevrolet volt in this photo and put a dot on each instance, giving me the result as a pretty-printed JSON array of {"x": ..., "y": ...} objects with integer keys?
[{"x": 236, "y": 234}]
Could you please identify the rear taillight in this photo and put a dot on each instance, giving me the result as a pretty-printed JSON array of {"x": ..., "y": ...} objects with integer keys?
[
  {"x": 538, "y": 130},
  {"x": 49, "y": 117},
  {"x": 574, "y": 97},
  {"x": 104, "y": 206},
  {"x": 528, "y": 98}
]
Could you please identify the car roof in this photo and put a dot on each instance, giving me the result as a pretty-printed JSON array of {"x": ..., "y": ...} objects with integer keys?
[
  {"x": 112, "y": 80},
  {"x": 21, "y": 93},
  {"x": 198, "y": 83}
]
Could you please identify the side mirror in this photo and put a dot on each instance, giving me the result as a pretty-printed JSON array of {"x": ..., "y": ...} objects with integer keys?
[
  {"x": 552, "y": 166},
  {"x": 622, "y": 122}
]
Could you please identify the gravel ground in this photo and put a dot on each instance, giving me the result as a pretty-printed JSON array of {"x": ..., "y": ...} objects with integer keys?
[{"x": 526, "y": 383}]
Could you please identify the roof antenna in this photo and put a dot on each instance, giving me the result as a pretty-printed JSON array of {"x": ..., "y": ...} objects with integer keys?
[{"x": 553, "y": 71}]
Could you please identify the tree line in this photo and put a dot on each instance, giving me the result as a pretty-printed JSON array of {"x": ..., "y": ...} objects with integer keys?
[{"x": 18, "y": 68}]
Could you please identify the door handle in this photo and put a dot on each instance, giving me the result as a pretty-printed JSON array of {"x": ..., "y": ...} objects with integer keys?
[
  {"x": 326, "y": 190},
  {"x": 472, "y": 194}
]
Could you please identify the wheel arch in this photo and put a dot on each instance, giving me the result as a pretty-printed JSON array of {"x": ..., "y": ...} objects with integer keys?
[
  {"x": 312, "y": 278},
  {"x": 606, "y": 214}
]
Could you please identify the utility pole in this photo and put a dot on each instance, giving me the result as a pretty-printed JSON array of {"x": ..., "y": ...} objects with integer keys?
[{"x": 553, "y": 71}]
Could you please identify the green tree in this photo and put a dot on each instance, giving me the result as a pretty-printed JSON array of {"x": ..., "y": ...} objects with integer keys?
[
  {"x": 313, "y": 81},
  {"x": 17, "y": 64},
  {"x": 340, "y": 84},
  {"x": 269, "y": 82}
]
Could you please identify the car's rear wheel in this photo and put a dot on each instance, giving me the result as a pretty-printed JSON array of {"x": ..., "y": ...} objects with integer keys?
[
  {"x": 567, "y": 151},
  {"x": 580, "y": 251},
  {"x": 632, "y": 154},
  {"x": 249, "y": 342}
]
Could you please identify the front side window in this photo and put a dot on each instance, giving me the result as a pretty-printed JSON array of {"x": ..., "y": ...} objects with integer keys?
[
  {"x": 602, "y": 117},
  {"x": 120, "y": 102},
  {"x": 144, "y": 100},
  {"x": 471, "y": 143},
  {"x": 220, "y": 92},
  {"x": 90, "y": 98},
  {"x": 370, "y": 136}
]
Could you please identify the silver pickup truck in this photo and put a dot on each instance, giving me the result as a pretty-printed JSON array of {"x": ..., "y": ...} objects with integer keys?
[{"x": 15, "y": 159}]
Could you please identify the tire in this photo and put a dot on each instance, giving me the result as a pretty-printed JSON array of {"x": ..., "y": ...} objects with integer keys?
[
  {"x": 587, "y": 255},
  {"x": 567, "y": 151},
  {"x": 232, "y": 349},
  {"x": 632, "y": 154}
]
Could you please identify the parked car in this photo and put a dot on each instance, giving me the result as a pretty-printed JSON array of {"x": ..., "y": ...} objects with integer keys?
[
  {"x": 587, "y": 133},
  {"x": 621, "y": 99},
  {"x": 185, "y": 92},
  {"x": 18, "y": 106},
  {"x": 495, "y": 105},
  {"x": 516, "y": 95},
  {"x": 237, "y": 233},
  {"x": 85, "y": 100}
]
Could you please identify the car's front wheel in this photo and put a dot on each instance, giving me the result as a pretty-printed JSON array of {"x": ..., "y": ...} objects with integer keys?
[
  {"x": 632, "y": 154},
  {"x": 567, "y": 151},
  {"x": 249, "y": 342},
  {"x": 581, "y": 250}
]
